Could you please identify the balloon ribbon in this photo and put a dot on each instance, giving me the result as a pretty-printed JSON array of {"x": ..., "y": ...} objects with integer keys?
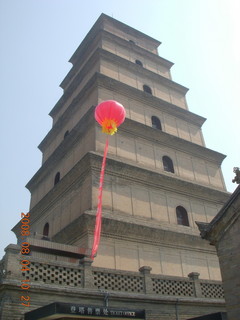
[{"x": 98, "y": 223}]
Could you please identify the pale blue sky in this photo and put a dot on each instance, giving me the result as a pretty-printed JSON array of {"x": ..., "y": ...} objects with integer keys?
[{"x": 37, "y": 39}]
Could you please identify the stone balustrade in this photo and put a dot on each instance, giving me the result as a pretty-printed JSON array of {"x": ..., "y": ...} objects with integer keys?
[{"x": 83, "y": 275}]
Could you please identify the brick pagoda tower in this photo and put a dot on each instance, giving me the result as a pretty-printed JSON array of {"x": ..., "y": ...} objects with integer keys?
[{"x": 160, "y": 178}]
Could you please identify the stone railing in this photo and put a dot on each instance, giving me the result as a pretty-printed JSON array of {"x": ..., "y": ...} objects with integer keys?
[{"x": 142, "y": 282}]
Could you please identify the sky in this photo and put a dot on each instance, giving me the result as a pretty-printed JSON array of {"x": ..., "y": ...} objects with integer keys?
[{"x": 38, "y": 37}]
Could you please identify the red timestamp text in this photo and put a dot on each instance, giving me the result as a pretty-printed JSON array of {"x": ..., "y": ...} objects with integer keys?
[
  {"x": 25, "y": 224},
  {"x": 25, "y": 263}
]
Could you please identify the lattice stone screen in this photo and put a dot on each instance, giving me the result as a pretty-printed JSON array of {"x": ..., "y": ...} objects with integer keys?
[
  {"x": 72, "y": 276},
  {"x": 54, "y": 274},
  {"x": 173, "y": 287},
  {"x": 118, "y": 282},
  {"x": 212, "y": 290}
]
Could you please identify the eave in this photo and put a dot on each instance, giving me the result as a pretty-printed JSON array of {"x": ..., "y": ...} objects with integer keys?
[
  {"x": 120, "y": 87},
  {"x": 225, "y": 218},
  {"x": 99, "y": 26},
  {"x": 103, "y": 34}
]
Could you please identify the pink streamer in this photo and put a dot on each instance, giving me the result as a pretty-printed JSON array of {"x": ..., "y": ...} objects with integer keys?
[{"x": 98, "y": 223}]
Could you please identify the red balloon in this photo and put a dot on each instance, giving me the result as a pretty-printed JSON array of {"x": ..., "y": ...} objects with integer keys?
[{"x": 110, "y": 114}]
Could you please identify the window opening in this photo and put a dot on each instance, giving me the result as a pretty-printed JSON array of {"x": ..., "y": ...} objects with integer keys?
[
  {"x": 182, "y": 216},
  {"x": 57, "y": 178},
  {"x": 156, "y": 123},
  {"x": 167, "y": 164},
  {"x": 147, "y": 89},
  {"x": 139, "y": 63},
  {"x": 46, "y": 230},
  {"x": 66, "y": 134}
]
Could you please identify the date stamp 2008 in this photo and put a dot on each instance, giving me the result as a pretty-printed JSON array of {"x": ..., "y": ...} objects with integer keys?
[{"x": 25, "y": 263}]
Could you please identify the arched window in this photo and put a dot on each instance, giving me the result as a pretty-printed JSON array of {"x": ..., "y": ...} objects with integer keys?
[
  {"x": 66, "y": 134},
  {"x": 167, "y": 164},
  {"x": 57, "y": 178},
  {"x": 131, "y": 41},
  {"x": 46, "y": 230},
  {"x": 147, "y": 89},
  {"x": 139, "y": 63},
  {"x": 156, "y": 123},
  {"x": 182, "y": 216}
]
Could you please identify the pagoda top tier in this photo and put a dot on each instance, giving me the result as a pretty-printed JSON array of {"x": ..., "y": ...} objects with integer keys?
[{"x": 111, "y": 25}]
